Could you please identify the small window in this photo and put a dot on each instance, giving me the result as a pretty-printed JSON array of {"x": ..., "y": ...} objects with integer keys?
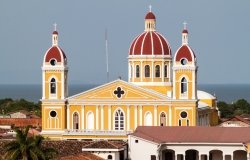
[
  {"x": 110, "y": 157},
  {"x": 179, "y": 122},
  {"x": 187, "y": 122},
  {"x": 183, "y": 114},
  {"x": 183, "y": 85},
  {"x": 184, "y": 61},
  {"x": 153, "y": 157},
  {"x": 53, "y": 62},
  {"x": 147, "y": 71},
  {"x": 52, "y": 114},
  {"x": 136, "y": 141},
  {"x": 53, "y": 86},
  {"x": 165, "y": 71},
  {"x": 157, "y": 71},
  {"x": 137, "y": 71}
]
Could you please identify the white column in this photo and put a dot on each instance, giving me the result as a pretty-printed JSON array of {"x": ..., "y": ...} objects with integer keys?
[
  {"x": 62, "y": 85},
  {"x": 141, "y": 70},
  {"x": 135, "y": 117},
  {"x": 97, "y": 117},
  {"x": 140, "y": 110},
  {"x": 44, "y": 83},
  {"x": 128, "y": 118},
  {"x": 170, "y": 115},
  {"x": 152, "y": 71},
  {"x": 174, "y": 83},
  {"x": 109, "y": 117},
  {"x": 133, "y": 72},
  {"x": 193, "y": 85},
  {"x": 102, "y": 118},
  {"x": 155, "y": 115},
  {"x": 83, "y": 117},
  {"x": 162, "y": 71},
  {"x": 68, "y": 117}
]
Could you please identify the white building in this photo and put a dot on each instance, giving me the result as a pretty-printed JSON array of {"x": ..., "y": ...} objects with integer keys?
[{"x": 189, "y": 143}]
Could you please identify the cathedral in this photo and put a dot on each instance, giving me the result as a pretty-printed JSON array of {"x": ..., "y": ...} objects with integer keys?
[{"x": 161, "y": 91}]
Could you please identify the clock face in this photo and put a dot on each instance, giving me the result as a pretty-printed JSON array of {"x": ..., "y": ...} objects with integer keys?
[
  {"x": 53, "y": 62},
  {"x": 184, "y": 61}
]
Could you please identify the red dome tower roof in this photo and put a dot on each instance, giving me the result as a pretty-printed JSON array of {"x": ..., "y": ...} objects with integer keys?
[
  {"x": 185, "y": 52},
  {"x": 150, "y": 15},
  {"x": 55, "y": 52},
  {"x": 150, "y": 43}
]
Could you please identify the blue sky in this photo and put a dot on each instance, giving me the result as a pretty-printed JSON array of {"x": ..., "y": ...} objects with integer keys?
[{"x": 219, "y": 35}]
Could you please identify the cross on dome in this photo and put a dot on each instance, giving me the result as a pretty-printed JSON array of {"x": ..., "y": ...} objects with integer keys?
[
  {"x": 150, "y": 8},
  {"x": 185, "y": 24},
  {"x": 55, "y": 26}
]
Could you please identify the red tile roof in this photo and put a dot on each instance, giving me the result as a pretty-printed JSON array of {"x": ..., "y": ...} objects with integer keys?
[
  {"x": 194, "y": 134},
  {"x": 82, "y": 156},
  {"x": 103, "y": 144},
  {"x": 21, "y": 122},
  {"x": 150, "y": 15},
  {"x": 238, "y": 118}
]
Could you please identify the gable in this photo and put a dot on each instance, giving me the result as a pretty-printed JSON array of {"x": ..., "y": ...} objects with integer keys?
[{"x": 118, "y": 90}]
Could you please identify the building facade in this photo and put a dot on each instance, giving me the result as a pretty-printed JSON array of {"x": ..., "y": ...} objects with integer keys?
[
  {"x": 161, "y": 91},
  {"x": 179, "y": 143}
]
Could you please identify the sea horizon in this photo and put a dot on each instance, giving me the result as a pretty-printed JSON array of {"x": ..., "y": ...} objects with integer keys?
[{"x": 33, "y": 92}]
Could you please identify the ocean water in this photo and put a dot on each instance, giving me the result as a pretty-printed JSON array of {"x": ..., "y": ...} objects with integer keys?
[{"x": 224, "y": 92}]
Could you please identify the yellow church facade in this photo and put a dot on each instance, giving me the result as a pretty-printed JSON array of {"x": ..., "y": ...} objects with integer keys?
[{"x": 161, "y": 91}]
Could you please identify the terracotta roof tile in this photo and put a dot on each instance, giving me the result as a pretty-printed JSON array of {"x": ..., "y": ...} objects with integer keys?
[
  {"x": 194, "y": 134},
  {"x": 105, "y": 144}
]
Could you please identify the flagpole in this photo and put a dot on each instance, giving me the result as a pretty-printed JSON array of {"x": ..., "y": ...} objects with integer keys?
[{"x": 107, "y": 58}]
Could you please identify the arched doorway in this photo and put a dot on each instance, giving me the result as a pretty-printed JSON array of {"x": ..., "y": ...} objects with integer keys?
[
  {"x": 75, "y": 121},
  {"x": 240, "y": 155},
  {"x": 215, "y": 154},
  {"x": 148, "y": 119},
  {"x": 162, "y": 119},
  {"x": 168, "y": 154},
  {"x": 191, "y": 155}
]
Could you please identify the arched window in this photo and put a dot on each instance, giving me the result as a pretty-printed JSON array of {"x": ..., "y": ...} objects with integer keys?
[
  {"x": 53, "y": 86},
  {"x": 110, "y": 157},
  {"x": 163, "y": 119},
  {"x": 157, "y": 71},
  {"x": 90, "y": 120},
  {"x": 148, "y": 119},
  {"x": 179, "y": 122},
  {"x": 147, "y": 71},
  {"x": 119, "y": 120},
  {"x": 137, "y": 71},
  {"x": 165, "y": 71},
  {"x": 75, "y": 121},
  {"x": 183, "y": 85}
]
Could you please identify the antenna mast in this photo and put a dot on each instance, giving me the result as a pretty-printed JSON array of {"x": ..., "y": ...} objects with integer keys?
[{"x": 107, "y": 56}]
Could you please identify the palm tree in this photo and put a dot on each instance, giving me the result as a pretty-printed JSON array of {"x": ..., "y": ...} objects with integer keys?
[{"x": 28, "y": 148}]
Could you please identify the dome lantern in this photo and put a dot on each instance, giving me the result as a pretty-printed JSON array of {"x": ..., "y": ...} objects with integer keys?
[{"x": 150, "y": 20}]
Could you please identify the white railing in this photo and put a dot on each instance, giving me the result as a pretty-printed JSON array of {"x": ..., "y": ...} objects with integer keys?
[{"x": 96, "y": 132}]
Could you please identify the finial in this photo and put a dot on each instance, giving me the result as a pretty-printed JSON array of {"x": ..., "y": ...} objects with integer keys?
[
  {"x": 150, "y": 8},
  {"x": 185, "y": 24},
  {"x": 55, "y": 26}
]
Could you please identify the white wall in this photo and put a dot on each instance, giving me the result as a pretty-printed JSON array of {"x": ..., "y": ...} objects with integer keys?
[
  {"x": 104, "y": 155},
  {"x": 141, "y": 150}
]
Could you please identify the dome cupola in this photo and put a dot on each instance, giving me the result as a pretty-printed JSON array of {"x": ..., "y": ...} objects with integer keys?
[
  {"x": 55, "y": 55},
  {"x": 150, "y": 42}
]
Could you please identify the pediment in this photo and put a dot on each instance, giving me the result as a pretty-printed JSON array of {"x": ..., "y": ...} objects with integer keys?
[{"x": 118, "y": 90}]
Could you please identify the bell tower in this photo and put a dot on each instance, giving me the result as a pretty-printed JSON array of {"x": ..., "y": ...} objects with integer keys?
[
  {"x": 185, "y": 71},
  {"x": 55, "y": 71}
]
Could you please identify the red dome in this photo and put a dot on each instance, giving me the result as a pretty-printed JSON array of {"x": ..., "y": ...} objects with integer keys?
[
  {"x": 55, "y": 32},
  {"x": 150, "y": 43},
  {"x": 150, "y": 15},
  {"x": 185, "y": 31},
  {"x": 55, "y": 52},
  {"x": 185, "y": 52}
]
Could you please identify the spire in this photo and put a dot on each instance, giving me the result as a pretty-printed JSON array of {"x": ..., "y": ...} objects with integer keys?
[
  {"x": 150, "y": 20},
  {"x": 55, "y": 36},
  {"x": 184, "y": 34}
]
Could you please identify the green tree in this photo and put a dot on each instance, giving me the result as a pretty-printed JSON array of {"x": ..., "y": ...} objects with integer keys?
[
  {"x": 28, "y": 148},
  {"x": 226, "y": 110}
]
